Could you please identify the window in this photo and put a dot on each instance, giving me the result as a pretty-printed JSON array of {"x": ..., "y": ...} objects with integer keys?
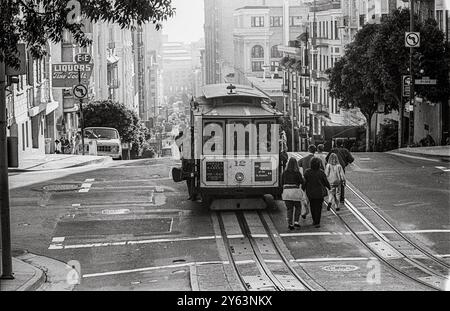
[
  {"x": 336, "y": 36},
  {"x": 295, "y": 21},
  {"x": 362, "y": 19},
  {"x": 23, "y": 136},
  {"x": 257, "y": 51},
  {"x": 440, "y": 19},
  {"x": 276, "y": 21},
  {"x": 26, "y": 131},
  {"x": 257, "y": 21},
  {"x": 326, "y": 29},
  {"x": 257, "y": 66},
  {"x": 274, "y": 65},
  {"x": 274, "y": 53}
]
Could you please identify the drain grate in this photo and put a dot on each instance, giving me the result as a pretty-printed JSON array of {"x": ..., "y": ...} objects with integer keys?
[{"x": 61, "y": 187}]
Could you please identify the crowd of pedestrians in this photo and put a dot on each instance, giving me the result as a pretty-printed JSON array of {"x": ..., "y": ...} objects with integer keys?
[{"x": 307, "y": 182}]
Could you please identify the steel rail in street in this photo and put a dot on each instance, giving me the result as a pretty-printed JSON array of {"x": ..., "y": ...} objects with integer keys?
[
  {"x": 369, "y": 248},
  {"x": 398, "y": 231},
  {"x": 260, "y": 261}
]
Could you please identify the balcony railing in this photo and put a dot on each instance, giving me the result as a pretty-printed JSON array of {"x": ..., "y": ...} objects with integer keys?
[{"x": 319, "y": 109}]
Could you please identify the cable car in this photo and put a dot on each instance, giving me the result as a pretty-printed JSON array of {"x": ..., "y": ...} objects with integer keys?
[{"x": 231, "y": 155}]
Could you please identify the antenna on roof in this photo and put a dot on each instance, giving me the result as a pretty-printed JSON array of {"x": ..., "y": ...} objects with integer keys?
[{"x": 231, "y": 87}]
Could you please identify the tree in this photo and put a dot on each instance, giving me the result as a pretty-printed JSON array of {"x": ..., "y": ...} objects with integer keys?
[
  {"x": 112, "y": 114},
  {"x": 37, "y": 21},
  {"x": 351, "y": 80},
  {"x": 373, "y": 64},
  {"x": 388, "y": 51}
]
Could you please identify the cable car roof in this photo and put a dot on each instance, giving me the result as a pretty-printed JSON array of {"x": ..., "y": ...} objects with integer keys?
[
  {"x": 223, "y": 90},
  {"x": 262, "y": 110}
]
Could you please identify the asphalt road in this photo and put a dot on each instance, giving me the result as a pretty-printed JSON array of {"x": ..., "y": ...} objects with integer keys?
[{"x": 130, "y": 227}]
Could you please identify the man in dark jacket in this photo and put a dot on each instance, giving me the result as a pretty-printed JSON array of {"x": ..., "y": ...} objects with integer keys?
[
  {"x": 345, "y": 158},
  {"x": 305, "y": 162}
]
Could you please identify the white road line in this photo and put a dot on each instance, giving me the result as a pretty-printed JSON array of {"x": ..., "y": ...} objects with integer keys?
[
  {"x": 243, "y": 262},
  {"x": 260, "y": 235},
  {"x": 91, "y": 275},
  {"x": 413, "y": 157},
  {"x": 57, "y": 244},
  {"x": 90, "y": 180},
  {"x": 235, "y": 236},
  {"x": 325, "y": 259},
  {"x": 58, "y": 239}
]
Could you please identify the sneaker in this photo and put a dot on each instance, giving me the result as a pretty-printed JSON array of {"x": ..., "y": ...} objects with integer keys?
[
  {"x": 329, "y": 206},
  {"x": 317, "y": 226},
  {"x": 291, "y": 227},
  {"x": 297, "y": 225}
]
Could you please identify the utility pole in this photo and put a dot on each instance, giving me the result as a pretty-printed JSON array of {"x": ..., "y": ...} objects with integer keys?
[
  {"x": 7, "y": 273},
  {"x": 411, "y": 72},
  {"x": 81, "y": 115}
]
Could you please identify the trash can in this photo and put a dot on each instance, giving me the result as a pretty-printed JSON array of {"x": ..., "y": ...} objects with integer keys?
[{"x": 13, "y": 151}]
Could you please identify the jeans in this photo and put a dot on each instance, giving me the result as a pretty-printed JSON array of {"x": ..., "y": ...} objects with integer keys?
[
  {"x": 294, "y": 208},
  {"x": 316, "y": 210},
  {"x": 335, "y": 193}
]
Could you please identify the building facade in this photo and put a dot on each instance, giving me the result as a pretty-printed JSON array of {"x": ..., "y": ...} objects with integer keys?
[
  {"x": 258, "y": 32},
  {"x": 31, "y": 109}
]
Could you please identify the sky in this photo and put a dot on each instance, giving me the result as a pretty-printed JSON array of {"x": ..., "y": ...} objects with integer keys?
[{"x": 187, "y": 24}]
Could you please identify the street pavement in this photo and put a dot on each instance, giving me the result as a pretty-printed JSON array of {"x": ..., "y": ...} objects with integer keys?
[{"x": 126, "y": 225}]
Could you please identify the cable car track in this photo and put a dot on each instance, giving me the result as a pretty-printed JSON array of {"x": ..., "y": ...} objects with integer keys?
[
  {"x": 401, "y": 234},
  {"x": 275, "y": 274},
  {"x": 437, "y": 280},
  {"x": 440, "y": 279}
]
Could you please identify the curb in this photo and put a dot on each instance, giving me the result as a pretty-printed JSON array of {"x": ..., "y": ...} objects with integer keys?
[
  {"x": 91, "y": 162},
  {"x": 422, "y": 155},
  {"x": 35, "y": 282}
]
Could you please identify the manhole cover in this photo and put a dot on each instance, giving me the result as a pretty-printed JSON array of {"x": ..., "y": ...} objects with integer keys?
[
  {"x": 340, "y": 268},
  {"x": 61, "y": 187}
]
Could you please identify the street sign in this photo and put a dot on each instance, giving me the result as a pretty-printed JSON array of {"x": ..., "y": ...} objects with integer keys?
[
  {"x": 80, "y": 91},
  {"x": 425, "y": 81},
  {"x": 406, "y": 85},
  {"x": 83, "y": 58},
  {"x": 66, "y": 75},
  {"x": 412, "y": 39}
]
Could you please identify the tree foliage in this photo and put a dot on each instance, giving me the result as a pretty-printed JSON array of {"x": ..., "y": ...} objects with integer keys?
[
  {"x": 37, "y": 21},
  {"x": 112, "y": 114},
  {"x": 392, "y": 58},
  {"x": 371, "y": 69}
]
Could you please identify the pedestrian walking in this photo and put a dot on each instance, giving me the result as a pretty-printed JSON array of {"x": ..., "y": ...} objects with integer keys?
[
  {"x": 293, "y": 195},
  {"x": 57, "y": 146},
  {"x": 336, "y": 177},
  {"x": 321, "y": 155},
  {"x": 305, "y": 162},
  {"x": 316, "y": 185},
  {"x": 345, "y": 158}
]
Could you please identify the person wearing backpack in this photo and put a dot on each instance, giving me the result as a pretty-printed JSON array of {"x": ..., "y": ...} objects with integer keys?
[
  {"x": 345, "y": 158},
  {"x": 336, "y": 177},
  {"x": 316, "y": 185}
]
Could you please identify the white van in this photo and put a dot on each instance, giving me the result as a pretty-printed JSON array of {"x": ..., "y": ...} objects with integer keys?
[{"x": 107, "y": 140}]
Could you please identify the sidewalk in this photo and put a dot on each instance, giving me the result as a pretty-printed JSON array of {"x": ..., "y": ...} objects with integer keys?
[
  {"x": 441, "y": 153},
  {"x": 33, "y": 272},
  {"x": 57, "y": 161}
]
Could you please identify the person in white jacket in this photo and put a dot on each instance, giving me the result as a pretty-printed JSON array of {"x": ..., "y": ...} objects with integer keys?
[{"x": 336, "y": 178}]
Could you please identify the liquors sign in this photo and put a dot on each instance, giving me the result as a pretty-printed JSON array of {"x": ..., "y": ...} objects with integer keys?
[{"x": 66, "y": 75}]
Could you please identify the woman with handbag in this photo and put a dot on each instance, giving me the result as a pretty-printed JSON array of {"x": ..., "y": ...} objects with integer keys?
[
  {"x": 292, "y": 195},
  {"x": 316, "y": 185}
]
